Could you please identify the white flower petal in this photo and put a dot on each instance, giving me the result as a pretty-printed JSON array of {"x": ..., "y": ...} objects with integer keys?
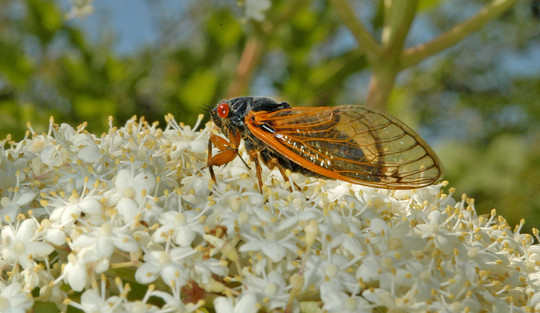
[
  {"x": 223, "y": 305},
  {"x": 55, "y": 236},
  {"x": 123, "y": 178},
  {"x": 104, "y": 246},
  {"x": 147, "y": 273},
  {"x": 246, "y": 304},
  {"x": 76, "y": 276},
  {"x": 126, "y": 243},
  {"x": 51, "y": 156},
  {"x": 27, "y": 230},
  {"x": 25, "y": 198},
  {"x": 127, "y": 209},
  {"x": 39, "y": 249}
]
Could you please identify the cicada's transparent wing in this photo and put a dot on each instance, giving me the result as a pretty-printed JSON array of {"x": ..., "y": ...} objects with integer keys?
[{"x": 349, "y": 143}]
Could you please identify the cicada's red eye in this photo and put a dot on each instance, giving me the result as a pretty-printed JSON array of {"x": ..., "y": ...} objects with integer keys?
[{"x": 223, "y": 110}]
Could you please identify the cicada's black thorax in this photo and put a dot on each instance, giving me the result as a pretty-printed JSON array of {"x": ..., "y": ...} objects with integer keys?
[{"x": 240, "y": 107}]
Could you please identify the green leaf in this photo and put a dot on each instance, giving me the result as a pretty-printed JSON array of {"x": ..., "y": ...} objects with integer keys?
[
  {"x": 198, "y": 89},
  {"x": 15, "y": 67}
]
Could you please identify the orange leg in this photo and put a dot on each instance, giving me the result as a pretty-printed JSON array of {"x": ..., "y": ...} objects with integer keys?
[
  {"x": 254, "y": 156},
  {"x": 273, "y": 163},
  {"x": 220, "y": 142},
  {"x": 228, "y": 151}
]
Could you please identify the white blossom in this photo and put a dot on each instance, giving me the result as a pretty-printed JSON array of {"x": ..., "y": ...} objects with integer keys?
[
  {"x": 13, "y": 299},
  {"x": 22, "y": 245},
  {"x": 243, "y": 304},
  {"x": 80, "y": 9},
  {"x": 255, "y": 9},
  {"x": 85, "y": 215},
  {"x": 10, "y": 207}
]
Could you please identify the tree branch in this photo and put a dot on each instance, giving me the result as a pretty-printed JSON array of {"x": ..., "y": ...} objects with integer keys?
[
  {"x": 416, "y": 54},
  {"x": 254, "y": 50},
  {"x": 399, "y": 15},
  {"x": 249, "y": 60},
  {"x": 366, "y": 42}
]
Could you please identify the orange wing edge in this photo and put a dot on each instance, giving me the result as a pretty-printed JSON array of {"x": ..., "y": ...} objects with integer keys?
[{"x": 269, "y": 139}]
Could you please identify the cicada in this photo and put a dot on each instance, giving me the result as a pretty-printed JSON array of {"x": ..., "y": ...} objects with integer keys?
[{"x": 349, "y": 143}]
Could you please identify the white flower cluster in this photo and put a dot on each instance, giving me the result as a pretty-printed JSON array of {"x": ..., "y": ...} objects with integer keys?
[
  {"x": 131, "y": 222},
  {"x": 256, "y": 9},
  {"x": 80, "y": 9}
]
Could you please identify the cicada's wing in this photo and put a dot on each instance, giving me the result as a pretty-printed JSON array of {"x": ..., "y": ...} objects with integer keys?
[{"x": 349, "y": 143}]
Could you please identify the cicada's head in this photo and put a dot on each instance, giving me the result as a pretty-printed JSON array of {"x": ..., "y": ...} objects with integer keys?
[
  {"x": 230, "y": 113},
  {"x": 216, "y": 112}
]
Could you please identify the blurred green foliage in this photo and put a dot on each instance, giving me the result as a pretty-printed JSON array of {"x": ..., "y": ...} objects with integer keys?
[{"x": 472, "y": 102}]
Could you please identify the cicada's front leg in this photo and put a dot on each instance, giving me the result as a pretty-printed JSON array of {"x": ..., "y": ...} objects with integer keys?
[{"x": 228, "y": 151}]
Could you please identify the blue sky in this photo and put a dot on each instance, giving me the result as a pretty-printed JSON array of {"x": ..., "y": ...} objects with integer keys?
[
  {"x": 133, "y": 26},
  {"x": 131, "y": 21}
]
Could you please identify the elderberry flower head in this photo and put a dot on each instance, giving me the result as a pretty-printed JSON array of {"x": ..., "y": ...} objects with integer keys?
[{"x": 86, "y": 215}]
